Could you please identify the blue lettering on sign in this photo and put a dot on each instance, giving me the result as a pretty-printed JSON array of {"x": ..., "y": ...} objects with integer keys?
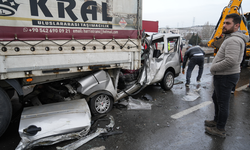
[{"x": 70, "y": 24}]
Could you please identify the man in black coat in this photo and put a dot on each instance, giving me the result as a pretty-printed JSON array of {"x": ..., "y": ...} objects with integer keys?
[{"x": 196, "y": 57}]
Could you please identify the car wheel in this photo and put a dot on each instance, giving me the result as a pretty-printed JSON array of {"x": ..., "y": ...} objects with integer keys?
[
  {"x": 101, "y": 104},
  {"x": 5, "y": 111},
  {"x": 167, "y": 81}
]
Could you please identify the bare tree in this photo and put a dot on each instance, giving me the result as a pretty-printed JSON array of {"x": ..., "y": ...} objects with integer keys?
[
  {"x": 187, "y": 36},
  {"x": 206, "y": 31}
]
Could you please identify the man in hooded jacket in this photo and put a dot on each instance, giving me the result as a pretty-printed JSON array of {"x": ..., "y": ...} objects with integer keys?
[
  {"x": 196, "y": 57},
  {"x": 226, "y": 70}
]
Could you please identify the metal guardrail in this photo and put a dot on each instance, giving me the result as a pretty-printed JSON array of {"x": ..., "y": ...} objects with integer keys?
[
  {"x": 209, "y": 52},
  {"x": 208, "y": 55}
]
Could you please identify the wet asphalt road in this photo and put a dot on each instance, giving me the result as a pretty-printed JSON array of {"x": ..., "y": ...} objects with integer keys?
[{"x": 155, "y": 129}]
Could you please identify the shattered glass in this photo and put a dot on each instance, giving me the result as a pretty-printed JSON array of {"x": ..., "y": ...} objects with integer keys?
[
  {"x": 191, "y": 96},
  {"x": 136, "y": 104}
]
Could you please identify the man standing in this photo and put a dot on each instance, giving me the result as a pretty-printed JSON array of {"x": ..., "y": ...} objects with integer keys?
[
  {"x": 226, "y": 70},
  {"x": 196, "y": 57}
]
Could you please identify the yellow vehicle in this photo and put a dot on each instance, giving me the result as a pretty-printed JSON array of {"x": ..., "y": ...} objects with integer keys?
[
  {"x": 247, "y": 16},
  {"x": 217, "y": 37}
]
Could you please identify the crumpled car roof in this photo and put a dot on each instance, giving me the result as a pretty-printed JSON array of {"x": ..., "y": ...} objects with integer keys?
[{"x": 160, "y": 35}]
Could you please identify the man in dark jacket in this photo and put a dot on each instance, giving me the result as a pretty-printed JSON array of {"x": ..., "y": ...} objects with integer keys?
[
  {"x": 196, "y": 57},
  {"x": 226, "y": 70}
]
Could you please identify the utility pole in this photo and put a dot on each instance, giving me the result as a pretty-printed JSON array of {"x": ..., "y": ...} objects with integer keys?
[
  {"x": 196, "y": 38},
  {"x": 193, "y": 21}
]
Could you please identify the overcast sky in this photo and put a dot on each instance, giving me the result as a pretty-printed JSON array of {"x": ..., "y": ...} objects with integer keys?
[{"x": 183, "y": 13}]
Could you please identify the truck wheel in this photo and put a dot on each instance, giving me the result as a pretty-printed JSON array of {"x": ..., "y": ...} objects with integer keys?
[
  {"x": 101, "y": 104},
  {"x": 167, "y": 81},
  {"x": 5, "y": 111}
]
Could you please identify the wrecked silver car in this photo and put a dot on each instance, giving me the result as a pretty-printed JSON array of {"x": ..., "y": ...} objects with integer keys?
[
  {"x": 49, "y": 122},
  {"x": 101, "y": 88},
  {"x": 161, "y": 64}
]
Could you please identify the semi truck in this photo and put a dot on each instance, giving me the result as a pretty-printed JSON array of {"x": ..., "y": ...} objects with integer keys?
[{"x": 73, "y": 50}]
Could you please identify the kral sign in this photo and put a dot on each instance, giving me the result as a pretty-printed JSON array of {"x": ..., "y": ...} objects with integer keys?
[
  {"x": 69, "y": 9},
  {"x": 9, "y": 8},
  {"x": 23, "y": 18}
]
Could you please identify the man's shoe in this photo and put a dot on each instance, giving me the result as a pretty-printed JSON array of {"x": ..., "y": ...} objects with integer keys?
[
  {"x": 198, "y": 81},
  {"x": 216, "y": 132},
  {"x": 210, "y": 123},
  {"x": 187, "y": 85},
  {"x": 246, "y": 89},
  {"x": 232, "y": 92}
]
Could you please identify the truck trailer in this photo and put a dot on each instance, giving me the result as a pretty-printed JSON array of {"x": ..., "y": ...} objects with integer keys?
[
  {"x": 45, "y": 42},
  {"x": 78, "y": 50}
]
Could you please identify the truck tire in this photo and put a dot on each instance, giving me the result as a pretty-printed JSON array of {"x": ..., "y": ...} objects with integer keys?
[
  {"x": 167, "y": 81},
  {"x": 101, "y": 104},
  {"x": 5, "y": 111}
]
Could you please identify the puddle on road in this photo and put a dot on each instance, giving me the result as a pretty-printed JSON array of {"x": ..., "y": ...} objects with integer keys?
[
  {"x": 191, "y": 96},
  {"x": 98, "y": 148},
  {"x": 136, "y": 104},
  {"x": 147, "y": 97},
  {"x": 176, "y": 81}
]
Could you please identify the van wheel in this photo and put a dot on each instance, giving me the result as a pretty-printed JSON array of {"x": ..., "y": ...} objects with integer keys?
[
  {"x": 167, "y": 81},
  {"x": 101, "y": 104},
  {"x": 5, "y": 111}
]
